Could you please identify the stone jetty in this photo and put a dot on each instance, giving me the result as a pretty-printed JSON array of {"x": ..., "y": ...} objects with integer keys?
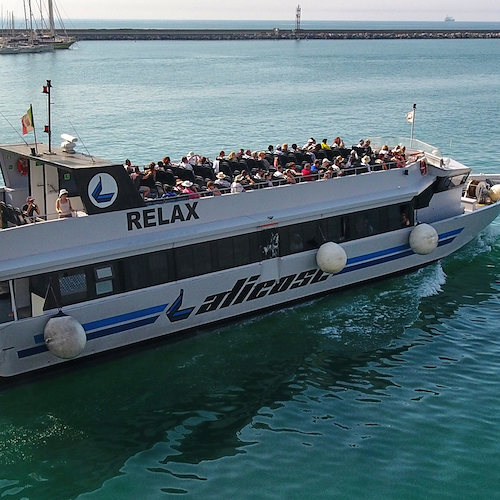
[{"x": 273, "y": 34}]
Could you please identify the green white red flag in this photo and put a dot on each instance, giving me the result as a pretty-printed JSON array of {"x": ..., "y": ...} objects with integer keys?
[{"x": 27, "y": 122}]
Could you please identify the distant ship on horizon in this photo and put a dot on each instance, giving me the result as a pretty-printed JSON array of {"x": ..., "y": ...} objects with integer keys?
[{"x": 449, "y": 19}]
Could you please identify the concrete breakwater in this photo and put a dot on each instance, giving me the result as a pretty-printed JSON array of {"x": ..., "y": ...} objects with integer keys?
[{"x": 272, "y": 34}]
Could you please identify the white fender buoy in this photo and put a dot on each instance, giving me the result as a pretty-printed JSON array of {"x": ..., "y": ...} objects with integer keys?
[
  {"x": 495, "y": 193},
  {"x": 423, "y": 239},
  {"x": 64, "y": 336},
  {"x": 331, "y": 257}
]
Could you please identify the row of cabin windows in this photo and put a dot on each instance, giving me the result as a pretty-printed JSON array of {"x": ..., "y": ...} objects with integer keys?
[{"x": 137, "y": 272}]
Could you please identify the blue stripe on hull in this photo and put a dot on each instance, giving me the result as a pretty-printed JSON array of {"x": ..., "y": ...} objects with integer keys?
[
  {"x": 94, "y": 325},
  {"x": 103, "y": 332}
]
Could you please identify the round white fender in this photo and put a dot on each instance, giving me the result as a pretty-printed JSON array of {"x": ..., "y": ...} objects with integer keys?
[
  {"x": 423, "y": 239},
  {"x": 64, "y": 336},
  {"x": 331, "y": 257},
  {"x": 495, "y": 193}
]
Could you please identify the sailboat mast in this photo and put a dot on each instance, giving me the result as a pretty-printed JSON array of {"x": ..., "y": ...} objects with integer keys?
[
  {"x": 31, "y": 21},
  {"x": 51, "y": 18}
]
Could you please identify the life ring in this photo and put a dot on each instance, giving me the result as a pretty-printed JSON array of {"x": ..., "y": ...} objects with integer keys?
[
  {"x": 423, "y": 167},
  {"x": 23, "y": 166}
]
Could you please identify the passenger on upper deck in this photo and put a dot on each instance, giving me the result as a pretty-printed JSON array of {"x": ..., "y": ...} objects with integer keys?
[
  {"x": 290, "y": 176},
  {"x": 236, "y": 186},
  {"x": 149, "y": 179},
  {"x": 30, "y": 208},
  {"x": 338, "y": 143},
  {"x": 324, "y": 144},
  {"x": 262, "y": 158},
  {"x": 63, "y": 205},
  {"x": 278, "y": 174},
  {"x": 309, "y": 145},
  {"x": 220, "y": 157},
  {"x": 213, "y": 189},
  {"x": 190, "y": 189},
  {"x": 184, "y": 163},
  {"x": 397, "y": 157},
  {"x": 307, "y": 173},
  {"x": 222, "y": 181},
  {"x": 384, "y": 152},
  {"x": 366, "y": 162},
  {"x": 192, "y": 158},
  {"x": 169, "y": 191}
]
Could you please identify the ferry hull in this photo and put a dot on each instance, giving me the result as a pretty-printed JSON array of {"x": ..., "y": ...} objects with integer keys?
[{"x": 205, "y": 300}]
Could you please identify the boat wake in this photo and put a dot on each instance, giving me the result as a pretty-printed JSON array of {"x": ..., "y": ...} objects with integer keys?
[{"x": 381, "y": 312}]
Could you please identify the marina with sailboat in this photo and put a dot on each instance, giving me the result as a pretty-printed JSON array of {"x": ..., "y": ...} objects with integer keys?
[{"x": 38, "y": 35}]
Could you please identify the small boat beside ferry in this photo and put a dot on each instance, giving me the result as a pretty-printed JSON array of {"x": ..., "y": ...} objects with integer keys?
[{"x": 124, "y": 269}]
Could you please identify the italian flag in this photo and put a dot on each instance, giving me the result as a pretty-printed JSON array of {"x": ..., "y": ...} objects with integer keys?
[{"x": 27, "y": 121}]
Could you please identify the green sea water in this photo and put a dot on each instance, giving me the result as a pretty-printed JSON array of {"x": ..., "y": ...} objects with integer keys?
[{"x": 384, "y": 391}]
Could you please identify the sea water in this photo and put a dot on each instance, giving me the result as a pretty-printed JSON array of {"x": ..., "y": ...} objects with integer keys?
[{"x": 388, "y": 390}]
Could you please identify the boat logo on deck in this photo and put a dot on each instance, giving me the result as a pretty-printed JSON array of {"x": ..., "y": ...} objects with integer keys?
[{"x": 102, "y": 190}]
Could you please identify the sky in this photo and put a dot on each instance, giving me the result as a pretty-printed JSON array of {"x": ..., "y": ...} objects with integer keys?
[{"x": 330, "y": 10}]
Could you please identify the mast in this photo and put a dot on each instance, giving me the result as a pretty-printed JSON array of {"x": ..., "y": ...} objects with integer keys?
[
  {"x": 51, "y": 18},
  {"x": 48, "y": 128},
  {"x": 31, "y": 21}
]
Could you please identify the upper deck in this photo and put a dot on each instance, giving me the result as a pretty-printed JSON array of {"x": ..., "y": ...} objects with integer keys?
[{"x": 132, "y": 226}]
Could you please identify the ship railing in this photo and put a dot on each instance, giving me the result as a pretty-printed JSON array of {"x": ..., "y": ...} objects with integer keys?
[
  {"x": 357, "y": 169},
  {"x": 411, "y": 145}
]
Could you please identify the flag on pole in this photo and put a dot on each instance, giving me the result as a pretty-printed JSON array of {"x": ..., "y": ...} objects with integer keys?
[
  {"x": 27, "y": 122},
  {"x": 410, "y": 116}
]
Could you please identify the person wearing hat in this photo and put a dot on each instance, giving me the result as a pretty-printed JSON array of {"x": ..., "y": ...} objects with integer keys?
[
  {"x": 31, "y": 208},
  {"x": 221, "y": 181},
  {"x": 236, "y": 186},
  {"x": 366, "y": 162},
  {"x": 188, "y": 188},
  {"x": 63, "y": 205},
  {"x": 309, "y": 145}
]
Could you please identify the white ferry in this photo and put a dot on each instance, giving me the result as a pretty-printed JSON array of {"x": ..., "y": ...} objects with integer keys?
[{"x": 125, "y": 270}]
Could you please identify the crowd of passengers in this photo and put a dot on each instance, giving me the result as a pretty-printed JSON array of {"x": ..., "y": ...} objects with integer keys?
[{"x": 240, "y": 171}]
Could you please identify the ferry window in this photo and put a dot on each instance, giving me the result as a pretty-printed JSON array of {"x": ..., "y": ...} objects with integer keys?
[
  {"x": 158, "y": 268},
  {"x": 102, "y": 287},
  {"x": 202, "y": 258},
  {"x": 134, "y": 274},
  {"x": 445, "y": 183},
  {"x": 296, "y": 240},
  {"x": 5, "y": 303},
  {"x": 72, "y": 286},
  {"x": 311, "y": 235},
  {"x": 146, "y": 270},
  {"x": 246, "y": 249},
  {"x": 393, "y": 217},
  {"x": 183, "y": 261},
  {"x": 102, "y": 273},
  {"x": 332, "y": 229},
  {"x": 362, "y": 226},
  {"x": 224, "y": 255},
  {"x": 103, "y": 280}
]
